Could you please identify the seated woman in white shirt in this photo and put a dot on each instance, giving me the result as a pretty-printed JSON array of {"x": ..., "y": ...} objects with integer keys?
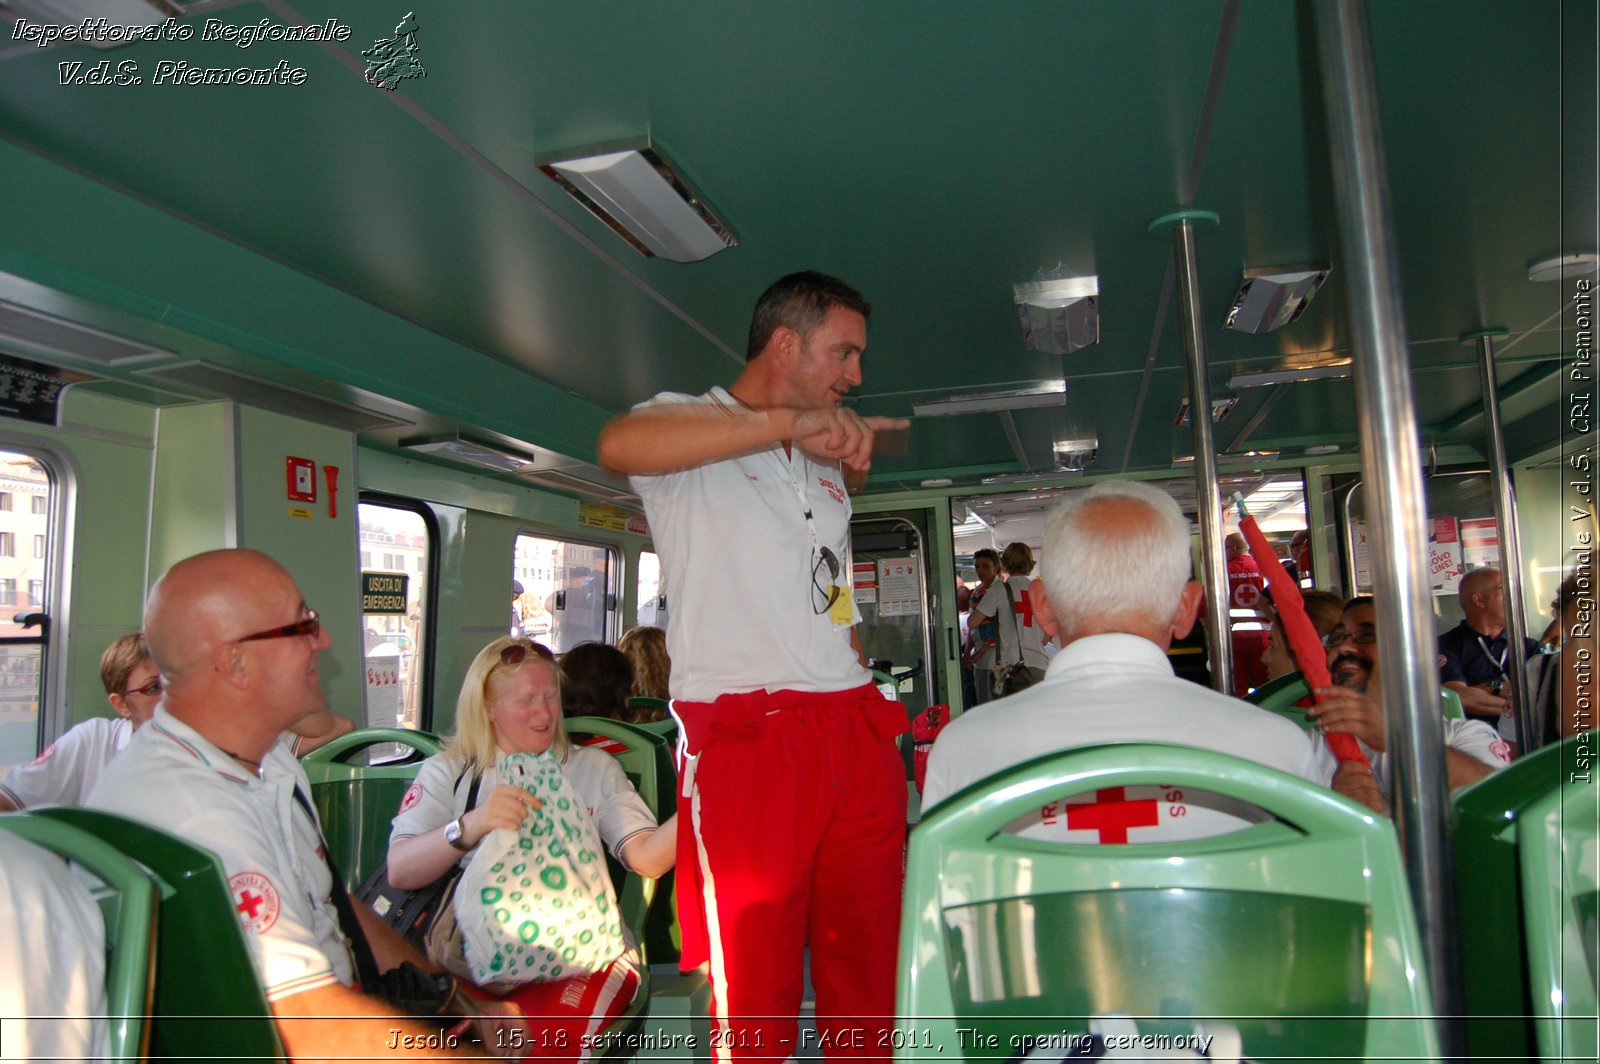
[
  {"x": 70, "y": 767},
  {"x": 510, "y": 703}
]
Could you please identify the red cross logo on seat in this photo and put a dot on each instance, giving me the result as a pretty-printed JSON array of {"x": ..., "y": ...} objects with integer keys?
[
  {"x": 249, "y": 904},
  {"x": 1024, "y": 609},
  {"x": 1111, "y": 814}
]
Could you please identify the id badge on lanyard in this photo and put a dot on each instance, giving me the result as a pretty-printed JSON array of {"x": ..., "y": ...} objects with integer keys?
[{"x": 841, "y": 607}]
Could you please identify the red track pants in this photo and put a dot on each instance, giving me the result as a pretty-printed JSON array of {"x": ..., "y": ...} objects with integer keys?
[{"x": 791, "y": 819}]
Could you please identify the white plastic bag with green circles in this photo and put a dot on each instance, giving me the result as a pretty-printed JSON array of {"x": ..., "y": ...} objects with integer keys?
[{"x": 535, "y": 905}]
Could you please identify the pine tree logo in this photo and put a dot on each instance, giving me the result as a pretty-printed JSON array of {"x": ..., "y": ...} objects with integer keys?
[{"x": 392, "y": 60}]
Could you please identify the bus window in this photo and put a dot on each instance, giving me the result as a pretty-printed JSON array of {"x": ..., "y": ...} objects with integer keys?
[
  {"x": 25, "y": 508},
  {"x": 569, "y": 591},
  {"x": 652, "y": 596},
  {"x": 396, "y": 559}
]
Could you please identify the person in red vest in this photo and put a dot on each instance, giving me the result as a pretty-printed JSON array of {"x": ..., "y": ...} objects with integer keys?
[{"x": 1249, "y": 630}]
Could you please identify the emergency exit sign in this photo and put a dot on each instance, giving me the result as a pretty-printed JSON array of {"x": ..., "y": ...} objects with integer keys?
[{"x": 383, "y": 592}]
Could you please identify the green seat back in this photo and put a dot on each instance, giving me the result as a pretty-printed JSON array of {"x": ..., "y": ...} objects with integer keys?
[
  {"x": 1298, "y": 930},
  {"x": 207, "y": 997},
  {"x": 1279, "y": 696},
  {"x": 1526, "y": 855},
  {"x": 357, "y": 802},
  {"x": 667, "y": 729},
  {"x": 658, "y": 705},
  {"x": 128, "y": 907},
  {"x": 647, "y": 762}
]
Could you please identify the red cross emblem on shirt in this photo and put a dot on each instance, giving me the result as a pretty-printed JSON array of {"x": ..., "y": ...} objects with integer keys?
[
  {"x": 255, "y": 900},
  {"x": 1024, "y": 609},
  {"x": 1111, "y": 814}
]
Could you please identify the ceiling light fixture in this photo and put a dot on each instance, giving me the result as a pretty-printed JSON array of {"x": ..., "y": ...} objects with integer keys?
[
  {"x": 1324, "y": 372},
  {"x": 1044, "y": 393},
  {"x": 632, "y": 187},
  {"x": 1077, "y": 454},
  {"x": 1229, "y": 459},
  {"x": 1059, "y": 316},
  {"x": 1563, "y": 267},
  {"x": 1271, "y": 297},
  {"x": 474, "y": 452},
  {"x": 1221, "y": 407},
  {"x": 1029, "y": 478}
]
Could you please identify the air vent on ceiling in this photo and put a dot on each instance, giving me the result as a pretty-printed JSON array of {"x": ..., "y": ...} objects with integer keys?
[
  {"x": 38, "y": 333},
  {"x": 253, "y": 391},
  {"x": 565, "y": 480}
]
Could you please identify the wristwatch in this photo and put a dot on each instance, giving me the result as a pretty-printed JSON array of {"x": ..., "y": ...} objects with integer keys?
[
  {"x": 452, "y": 835},
  {"x": 1497, "y": 687}
]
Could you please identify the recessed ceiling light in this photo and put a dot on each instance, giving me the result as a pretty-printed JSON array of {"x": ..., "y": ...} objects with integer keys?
[
  {"x": 1563, "y": 267},
  {"x": 1044, "y": 393},
  {"x": 1267, "y": 378},
  {"x": 1271, "y": 297},
  {"x": 937, "y": 482},
  {"x": 632, "y": 187},
  {"x": 1059, "y": 316},
  {"x": 1323, "y": 448},
  {"x": 1221, "y": 406}
]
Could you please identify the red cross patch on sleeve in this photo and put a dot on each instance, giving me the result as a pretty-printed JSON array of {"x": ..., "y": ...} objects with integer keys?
[
  {"x": 413, "y": 795},
  {"x": 42, "y": 758},
  {"x": 255, "y": 899}
]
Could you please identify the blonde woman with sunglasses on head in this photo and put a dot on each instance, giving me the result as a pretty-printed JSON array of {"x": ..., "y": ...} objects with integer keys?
[
  {"x": 510, "y": 704},
  {"x": 70, "y": 767}
]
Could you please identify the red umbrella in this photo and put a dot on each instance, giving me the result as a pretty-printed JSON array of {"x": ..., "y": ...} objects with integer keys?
[{"x": 1304, "y": 643}]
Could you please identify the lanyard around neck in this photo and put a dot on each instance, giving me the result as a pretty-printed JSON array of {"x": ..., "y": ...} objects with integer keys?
[{"x": 1501, "y": 664}]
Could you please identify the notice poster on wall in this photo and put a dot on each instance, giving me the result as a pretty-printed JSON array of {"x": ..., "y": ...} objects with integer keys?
[
  {"x": 1480, "y": 542},
  {"x": 383, "y": 686},
  {"x": 1445, "y": 564},
  {"x": 899, "y": 587},
  {"x": 864, "y": 579}
]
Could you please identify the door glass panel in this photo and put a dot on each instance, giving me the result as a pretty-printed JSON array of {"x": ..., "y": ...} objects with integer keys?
[
  {"x": 24, "y": 585},
  {"x": 396, "y": 552},
  {"x": 569, "y": 591},
  {"x": 652, "y": 596}
]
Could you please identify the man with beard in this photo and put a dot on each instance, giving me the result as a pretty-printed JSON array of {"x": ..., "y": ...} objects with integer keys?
[{"x": 1472, "y": 749}]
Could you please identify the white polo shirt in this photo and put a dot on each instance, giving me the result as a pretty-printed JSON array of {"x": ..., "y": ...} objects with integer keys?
[
  {"x": 739, "y": 554},
  {"x": 1019, "y": 607},
  {"x": 439, "y": 795},
  {"x": 271, "y": 853},
  {"x": 1118, "y": 688},
  {"x": 52, "y": 988},
  {"x": 69, "y": 767}
]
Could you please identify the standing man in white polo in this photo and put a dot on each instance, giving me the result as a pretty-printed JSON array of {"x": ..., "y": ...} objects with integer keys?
[{"x": 792, "y": 790}]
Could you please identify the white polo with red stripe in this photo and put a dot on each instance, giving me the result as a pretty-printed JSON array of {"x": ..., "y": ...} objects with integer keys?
[
  {"x": 172, "y": 778},
  {"x": 69, "y": 767},
  {"x": 1027, "y": 628},
  {"x": 1119, "y": 688},
  {"x": 738, "y": 561}
]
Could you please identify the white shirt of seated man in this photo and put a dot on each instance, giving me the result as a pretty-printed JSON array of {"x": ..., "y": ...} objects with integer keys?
[
  {"x": 1112, "y": 682},
  {"x": 53, "y": 991}
]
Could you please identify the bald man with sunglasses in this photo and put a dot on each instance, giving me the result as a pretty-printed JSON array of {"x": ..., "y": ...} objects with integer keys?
[{"x": 238, "y": 649}]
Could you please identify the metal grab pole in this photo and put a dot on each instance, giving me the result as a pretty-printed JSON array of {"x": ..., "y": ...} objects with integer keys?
[
  {"x": 1529, "y": 731},
  {"x": 1392, "y": 466},
  {"x": 1209, "y": 497}
]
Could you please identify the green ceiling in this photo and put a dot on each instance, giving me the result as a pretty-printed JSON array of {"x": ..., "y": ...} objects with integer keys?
[{"x": 932, "y": 153}]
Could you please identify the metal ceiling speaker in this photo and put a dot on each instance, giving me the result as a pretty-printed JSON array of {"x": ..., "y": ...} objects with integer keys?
[
  {"x": 1273, "y": 296},
  {"x": 1075, "y": 455},
  {"x": 1060, "y": 316}
]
